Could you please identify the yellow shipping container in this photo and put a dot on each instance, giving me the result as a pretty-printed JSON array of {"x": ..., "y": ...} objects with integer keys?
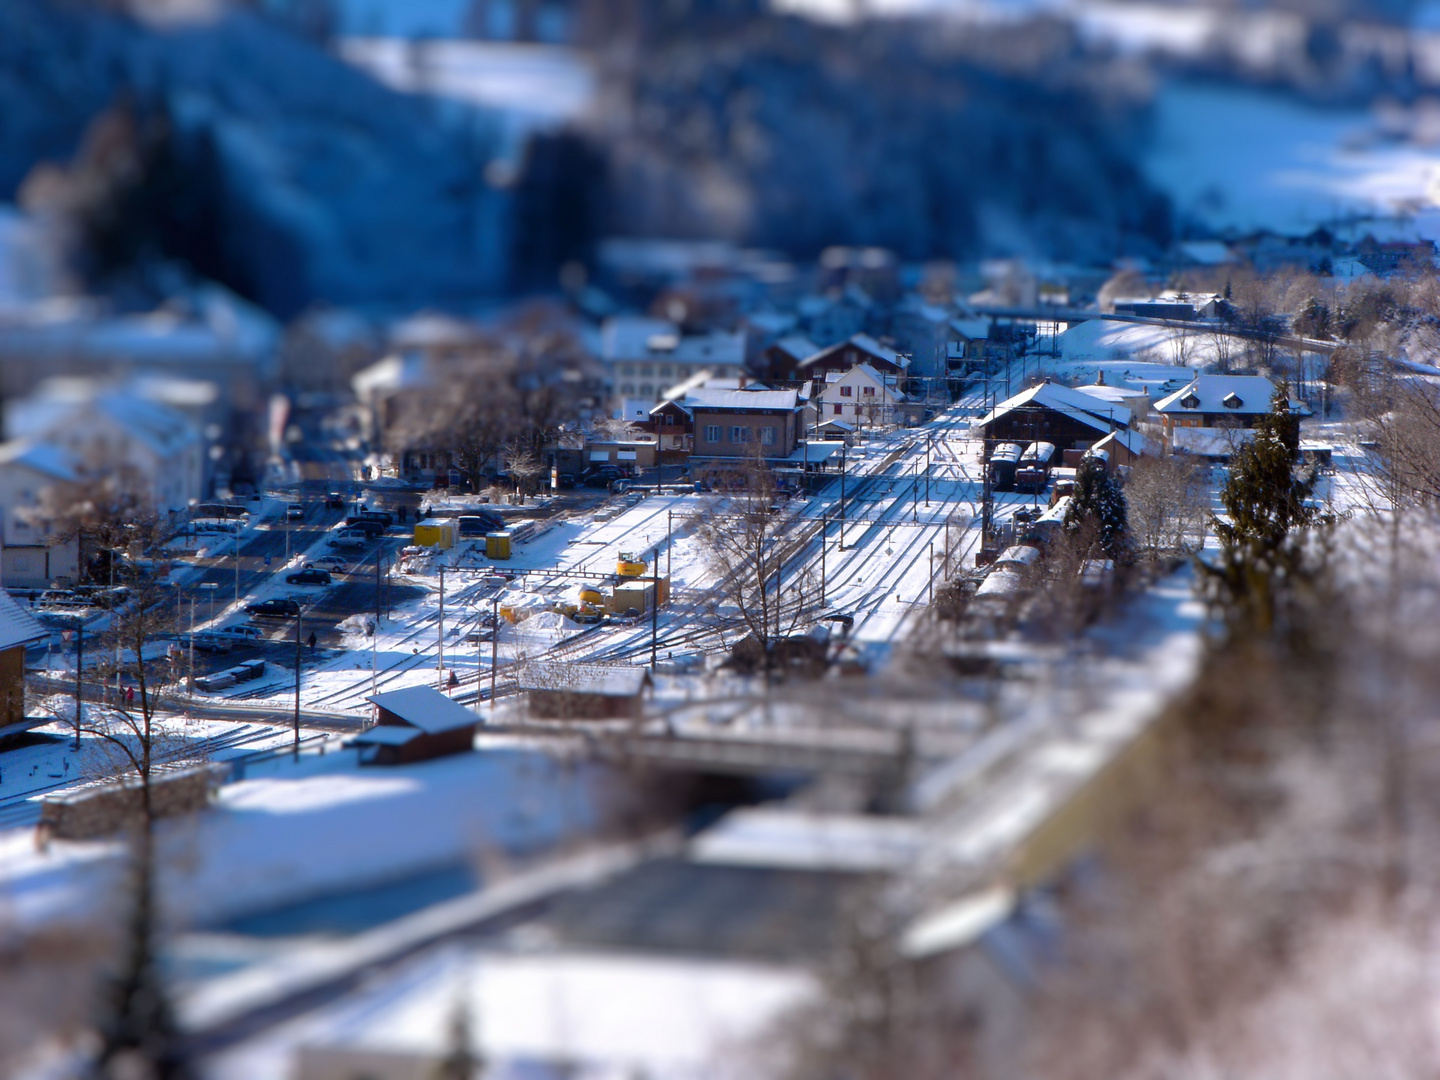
[
  {"x": 497, "y": 545},
  {"x": 634, "y": 595},
  {"x": 439, "y": 534}
]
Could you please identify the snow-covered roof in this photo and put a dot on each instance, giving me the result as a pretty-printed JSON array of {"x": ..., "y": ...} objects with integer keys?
[
  {"x": 1244, "y": 395},
  {"x": 863, "y": 342},
  {"x": 705, "y": 397},
  {"x": 1112, "y": 395},
  {"x": 814, "y": 452},
  {"x": 1062, "y": 399},
  {"x": 602, "y": 679},
  {"x": 971, "y": 329},
  {"x": 40, "y": 457},
  {"x": 1020, "y": 555},
  {"x": 1131, "y": 440},
  {"x": 629, "y": 337},
  {"x": 425, "y": 708},
  {"x": 17, "y": 626},
  {"x": 796, "y": 346}
]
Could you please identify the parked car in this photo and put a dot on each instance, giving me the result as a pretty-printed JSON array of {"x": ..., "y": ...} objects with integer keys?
[
  {"x": 349, "y": 540},
  {"x": 277, "y": 608},
  {"x": 240, "y": 632},
  {"x": 474, "y": 637},
  {"x": 206, "y": 642},
  {"x": 314, "y": 576},
  {"x": 383, "y": 516},
  {"x": 371, "y": 527},
  {"x": 334, "y": 563},
  {"x": 294, "y": 512}
]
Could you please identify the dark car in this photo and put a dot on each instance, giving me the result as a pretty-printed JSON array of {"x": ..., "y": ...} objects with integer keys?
[
  {"x": 205, "y": 642},
  {"x": 278, "y": 608},
  {"x": 334, "y": 501},
  {"x": 312, "y": 576},
  {"x": 382, "y": 517},
  {"x": 371, "y": 527}
]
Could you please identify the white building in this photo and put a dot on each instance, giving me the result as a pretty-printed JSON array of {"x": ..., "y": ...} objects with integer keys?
[
  {"x": 646, "y": 356},
  {"x": 104, "y": 431},
  {"x": 30, "y": 557},
  {"x": 861, "y": 395}
]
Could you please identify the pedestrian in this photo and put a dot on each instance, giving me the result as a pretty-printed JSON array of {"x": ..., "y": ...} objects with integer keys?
[
  {"x": 129, "y": 695},
  {"x": 312, "y": 639},
  {"x": 454, "y": 680}
]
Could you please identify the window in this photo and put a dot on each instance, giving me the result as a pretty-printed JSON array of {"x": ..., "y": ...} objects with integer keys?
[
  {"x": 665, "y": 371},
  {"x": 647, "y": 370},
  {"x": 627, "y": 389},
  {"x": 844, "y": 391},
  {"x": 839, "y": 408},
  {"x": 739, "y": 434},
  {"x": 869, "y": 391},
  {"x": 647, "y": 390},
  {"x": 712, "y": 432},
  {"x": 767, "y": 436},
  {"x": 627, "y": 369}
]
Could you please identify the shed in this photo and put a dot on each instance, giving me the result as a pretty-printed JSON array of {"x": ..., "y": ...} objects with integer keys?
[
  {"x": 415, "y": 724},
  {"x": 18, "y": 628},
  {"x": 585, "y": 691}
]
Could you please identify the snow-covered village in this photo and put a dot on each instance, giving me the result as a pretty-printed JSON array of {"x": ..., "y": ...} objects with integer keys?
[{"x": 707, "y": 539}]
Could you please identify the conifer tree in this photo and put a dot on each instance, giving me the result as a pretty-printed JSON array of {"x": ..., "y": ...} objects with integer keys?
[
  {"x": 1099, "y": 499},
  {"x": 1262, "y": 555}
]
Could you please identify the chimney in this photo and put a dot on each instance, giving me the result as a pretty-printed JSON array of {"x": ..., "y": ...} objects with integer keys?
[{"x": 1100, "y": 378}]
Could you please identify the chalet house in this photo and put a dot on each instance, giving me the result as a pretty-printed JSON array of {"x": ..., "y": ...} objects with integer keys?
[
  {"x": 673, "y": 426},
  {"x": 18, "y": 628},
  {"x": 780, "y": 361},
  {"x": 415, "y": 724},
  {"x": 568, "y": 691},
  {"x": 840, "y": 358},
  {"x": 1122, "y": 447},
  {"x": 629, "y": 455},
  {"x": 1233, "y": 401},
  {"x": 733, "y": 424},
  {"x": 861, "y": 395},
  {"x": 1049, "y": 412}
]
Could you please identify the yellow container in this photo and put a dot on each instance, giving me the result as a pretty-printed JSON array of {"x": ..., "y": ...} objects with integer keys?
[
  {"x": 509, "y": 614},
  {"x": 636, "y": 595},
  {"x": 439, "y": 534},
  {"x": 497, "y": 545},
  {"x": 589, "y": 595},
  {"x": 630, "y": 565}
]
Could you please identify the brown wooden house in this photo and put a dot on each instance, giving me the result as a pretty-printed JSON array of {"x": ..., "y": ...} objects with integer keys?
[
  {"x": 415, "y": 724},
  {"x": 585, "y": 691}
]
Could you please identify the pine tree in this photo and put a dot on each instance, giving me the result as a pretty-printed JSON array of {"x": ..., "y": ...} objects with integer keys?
[
  {"x": 1262, "y": 550},
  {"x": 1099, "y": 499}
]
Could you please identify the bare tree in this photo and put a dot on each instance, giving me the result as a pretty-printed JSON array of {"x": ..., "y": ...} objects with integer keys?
[
  {"x": 748, "y": 536},
  {"x": 1168, "y": 505}
]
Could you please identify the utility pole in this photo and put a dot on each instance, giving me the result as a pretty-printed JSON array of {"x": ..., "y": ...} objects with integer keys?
[
  {"x": 654, "y": 619},
  {"x": 80, "y": 667},
  {"x": 440, "y": 675},
  {"x": 298, "y": 620},
  {"x": 494, "y": 652},
  {"x": 669, "y": 540},
  {"x": 237, "y": 563},
  {"x": 843, "y": 447},
  {"x": 930, "y": 577},
  {"x": 927, "y": 469},
  {"x": 824, "y": 528}
]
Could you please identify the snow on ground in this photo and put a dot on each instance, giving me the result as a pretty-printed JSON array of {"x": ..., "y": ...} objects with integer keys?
[
  {"x": 604, "y": 1015},
  {"x": 1247, "y": 159},
  {"x": 292, "y": 831}
]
